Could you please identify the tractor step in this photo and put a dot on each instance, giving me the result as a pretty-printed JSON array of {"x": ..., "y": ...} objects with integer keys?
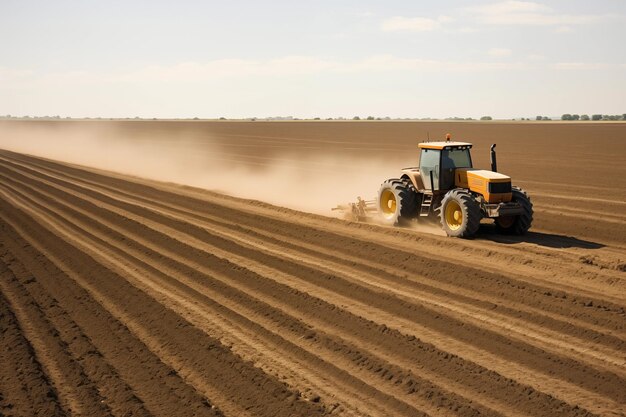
[{"x": 427, "y": 201}]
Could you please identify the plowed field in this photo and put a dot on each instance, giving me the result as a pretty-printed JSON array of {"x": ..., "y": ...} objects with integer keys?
[{"x": 127, "y": 296}]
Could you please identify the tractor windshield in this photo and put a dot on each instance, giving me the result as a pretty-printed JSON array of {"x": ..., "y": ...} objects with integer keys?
[
  {"x": 456, "y": 158},
  {"x": 429, "y": 165}
]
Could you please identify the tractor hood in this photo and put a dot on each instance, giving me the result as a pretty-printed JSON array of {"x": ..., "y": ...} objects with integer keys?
[
  {"x": 484, "y": 174},
  {"x": 495, "y": 187}
]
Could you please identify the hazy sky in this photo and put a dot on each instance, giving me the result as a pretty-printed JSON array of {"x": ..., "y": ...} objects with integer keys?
[{"x": 316, "y": 58}]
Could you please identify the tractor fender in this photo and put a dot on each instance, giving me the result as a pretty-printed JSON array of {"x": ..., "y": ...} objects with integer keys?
[{"x": 413, "y": 175}]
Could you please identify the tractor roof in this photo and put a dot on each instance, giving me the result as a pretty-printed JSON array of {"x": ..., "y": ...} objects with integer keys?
[{"x": 443, "y": 145}]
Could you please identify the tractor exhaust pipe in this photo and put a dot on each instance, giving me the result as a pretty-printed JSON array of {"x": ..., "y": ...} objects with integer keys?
[{"x": 494, "y": 163}]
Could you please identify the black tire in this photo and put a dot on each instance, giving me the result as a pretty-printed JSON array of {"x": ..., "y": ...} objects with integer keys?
[
  {"x": 520, "y": 224},
  {"x": 459, "y": 214},
  {"x": 397, "y": 202}
]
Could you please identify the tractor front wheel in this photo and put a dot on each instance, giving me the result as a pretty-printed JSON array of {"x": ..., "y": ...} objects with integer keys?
[
  {"x": 459, "y": 214},
  {"x": 517, "y": 225}
]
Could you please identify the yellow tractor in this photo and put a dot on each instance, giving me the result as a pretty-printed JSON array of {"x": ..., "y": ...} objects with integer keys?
[{"x": 446, "y": 186}]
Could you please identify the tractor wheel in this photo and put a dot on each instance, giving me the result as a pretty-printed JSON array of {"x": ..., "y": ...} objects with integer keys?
[
  {"x": 517, "y": 225},
  {"x": 459, "y": 214},
  {"x": 397, "y": 201}
]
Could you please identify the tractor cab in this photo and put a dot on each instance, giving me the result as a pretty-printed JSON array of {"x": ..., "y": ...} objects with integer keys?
[{"x": 438, "y": 162}]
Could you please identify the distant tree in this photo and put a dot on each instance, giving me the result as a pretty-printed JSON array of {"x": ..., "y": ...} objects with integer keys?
[
  {"x": 196, "y": 118},
  {"x": 584, "y": 117},
  {"x": 370, "y": 118},
  {"x": 623, "y": 116},
  {"x": 356, "y": 118},
  {"x": 596, "y": 117},
  {"x": 567, "y": 116},
  {"x": 575, "y": 117},
  {"x": 539, "y": 118},
  {"x": 316, "y": 118},
  {"x": 486, "y": 118},
  {"x": 222, "y": 118}
]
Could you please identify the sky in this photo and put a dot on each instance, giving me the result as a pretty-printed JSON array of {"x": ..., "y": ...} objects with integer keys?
[{"x": 341, "y": 58}]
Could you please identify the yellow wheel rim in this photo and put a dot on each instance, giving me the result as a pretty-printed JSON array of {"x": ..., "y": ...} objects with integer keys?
[
  {"x": 388, "y": 203},
  {"x": 454, "y": 215}
]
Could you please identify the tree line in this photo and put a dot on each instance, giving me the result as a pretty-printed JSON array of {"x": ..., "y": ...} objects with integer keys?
[{"x": 594, "y": 117}]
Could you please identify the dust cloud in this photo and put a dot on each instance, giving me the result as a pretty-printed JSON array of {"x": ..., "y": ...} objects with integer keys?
[{"x": 305, "y": 181}]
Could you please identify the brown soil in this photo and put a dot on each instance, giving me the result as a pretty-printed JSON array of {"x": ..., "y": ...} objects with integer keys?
[{"x": 127, "y": 296}]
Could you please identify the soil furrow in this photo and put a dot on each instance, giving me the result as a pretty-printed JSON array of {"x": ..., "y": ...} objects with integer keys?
[
  {"x": 555, "y": 342},
  {"x": 25, "y": 389},
  {"x": 504, "y": 347},
  {"x": 131, "y": 270},
  {"x": 353, "y": 308},
  {"x": 281, "y": 403},
  {"x": 76, "y": 393},
  {"x": 303, "y": 248},
  {"x": 116, "y": 394},
  {"x": 324, "y": 226},
  {"x": 560, "y": 306},
  {"x": 326, "y": 233},
  {"x": 169, "y": 396}
]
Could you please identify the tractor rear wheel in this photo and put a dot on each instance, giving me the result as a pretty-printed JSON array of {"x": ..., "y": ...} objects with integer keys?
[
  {"x": 517, "y": 225},
  {"x": 459, "y": 214},
  {"x": 397, "y": 201}
]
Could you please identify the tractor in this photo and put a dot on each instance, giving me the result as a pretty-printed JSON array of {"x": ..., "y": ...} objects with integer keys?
[{"x": 446, "y": 186}]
